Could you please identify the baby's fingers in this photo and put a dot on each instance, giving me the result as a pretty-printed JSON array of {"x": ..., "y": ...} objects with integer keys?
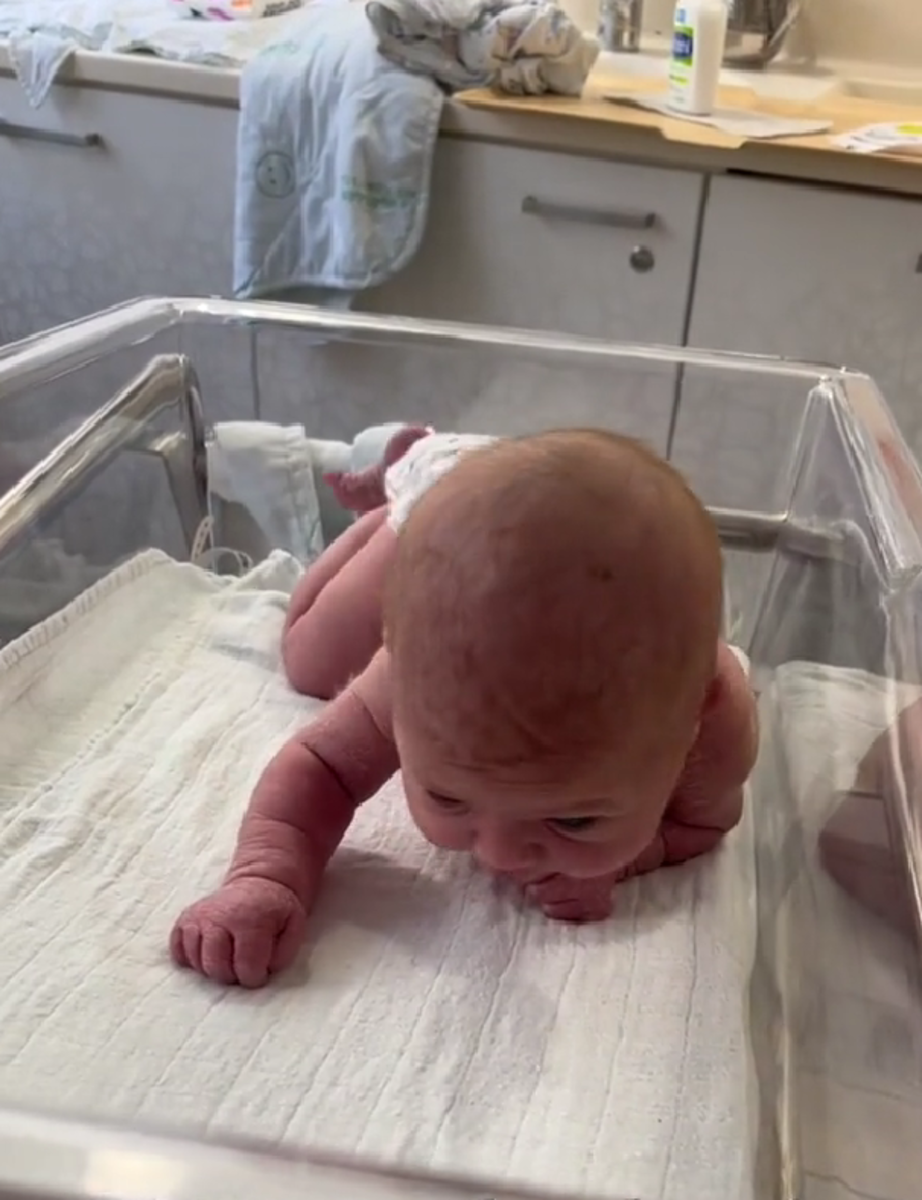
[
  {"x": 565, "y": 910},
  {"x": 186, "y": 945},
  {"x": 289, "y": 943},
  {"x": 217, "y": 954},
  {"x": 579, "y": 912},
  {"x": 252, "y": 957}
]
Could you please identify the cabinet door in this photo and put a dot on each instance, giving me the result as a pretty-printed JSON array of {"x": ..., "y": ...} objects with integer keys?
[
  {"x": 811, "y": 273},
  {"x": 535, "y": 240},
  {"x": 136, "y": 198},
  {"x": 553, "y": 241},
  {"x": 106, "y": 196}
]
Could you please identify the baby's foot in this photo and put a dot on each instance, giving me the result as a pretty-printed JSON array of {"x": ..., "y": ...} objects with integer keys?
[
  {"x": 242, "y": 933},
  {"x": 363, "y": 491},
  {"x": 581, "y": 900}
]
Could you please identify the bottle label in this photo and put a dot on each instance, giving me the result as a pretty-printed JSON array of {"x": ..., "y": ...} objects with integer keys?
[{"x": 683, "y": 44}]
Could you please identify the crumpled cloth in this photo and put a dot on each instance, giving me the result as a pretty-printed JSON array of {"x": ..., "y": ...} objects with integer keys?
[{"x": 525, "y": 47}]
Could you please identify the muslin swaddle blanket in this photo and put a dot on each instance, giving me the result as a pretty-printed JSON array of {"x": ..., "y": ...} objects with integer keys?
[{"x": 432, "y": 1020}]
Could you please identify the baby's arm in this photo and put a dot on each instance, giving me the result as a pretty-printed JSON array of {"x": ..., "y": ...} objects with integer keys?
[
  {"x": 253, "y": 925},
  {"x": 708, "y": 800}
]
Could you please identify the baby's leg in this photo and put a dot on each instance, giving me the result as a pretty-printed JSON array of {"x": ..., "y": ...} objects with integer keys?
[{"x": 333, "y": 627}]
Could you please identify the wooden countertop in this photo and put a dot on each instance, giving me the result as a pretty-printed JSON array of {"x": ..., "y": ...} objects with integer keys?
[{"x": 592, "y": 124}]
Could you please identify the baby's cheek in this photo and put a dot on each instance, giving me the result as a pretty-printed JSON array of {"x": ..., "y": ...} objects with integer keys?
[{"x": 585, "y": 860}]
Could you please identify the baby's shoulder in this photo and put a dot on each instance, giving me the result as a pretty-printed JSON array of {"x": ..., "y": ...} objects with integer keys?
[{"x": 729, "y": 733}]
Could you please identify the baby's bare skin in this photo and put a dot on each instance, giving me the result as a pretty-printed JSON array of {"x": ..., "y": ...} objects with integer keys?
[{"x": 584, "y": 807}]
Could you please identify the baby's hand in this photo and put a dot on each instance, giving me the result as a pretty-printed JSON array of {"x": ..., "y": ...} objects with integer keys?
[
  {"x": 242, "y": 933},
  {"x": 564, "y": 899}
]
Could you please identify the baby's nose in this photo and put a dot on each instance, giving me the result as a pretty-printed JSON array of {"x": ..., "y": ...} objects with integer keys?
[{"x": 506, "y": 848}]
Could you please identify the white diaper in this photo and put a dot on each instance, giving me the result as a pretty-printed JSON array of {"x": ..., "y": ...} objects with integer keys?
[{"x": 423, "y": 464}]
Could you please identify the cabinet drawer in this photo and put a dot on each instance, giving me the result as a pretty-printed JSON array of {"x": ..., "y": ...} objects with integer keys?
[
  {"x": 553, "y": 241},
  {"x": 107, "y": 195}
]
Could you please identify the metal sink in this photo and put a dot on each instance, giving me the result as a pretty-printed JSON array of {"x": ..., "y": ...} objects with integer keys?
[{"x": 888, "y": 91}]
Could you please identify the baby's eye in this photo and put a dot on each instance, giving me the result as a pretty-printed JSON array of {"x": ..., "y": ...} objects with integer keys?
[
  {"x": 447, "y": 803},
  {"x": 573, "y": 824}
]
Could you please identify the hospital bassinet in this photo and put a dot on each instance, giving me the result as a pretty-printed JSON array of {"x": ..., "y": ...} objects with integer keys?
[{"x": 105, "y": 449}]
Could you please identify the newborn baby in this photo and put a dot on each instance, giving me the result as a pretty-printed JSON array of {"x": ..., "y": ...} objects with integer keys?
[{"x": 528, "y": 631}]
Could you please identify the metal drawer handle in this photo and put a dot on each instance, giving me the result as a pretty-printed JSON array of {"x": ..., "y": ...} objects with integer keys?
[
  {"x": 35, "y": 133},
  {"x": 614, "y": 218}
]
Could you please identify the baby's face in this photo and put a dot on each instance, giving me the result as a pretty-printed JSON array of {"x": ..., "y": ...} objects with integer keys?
[{"x": 587, "y": 820}]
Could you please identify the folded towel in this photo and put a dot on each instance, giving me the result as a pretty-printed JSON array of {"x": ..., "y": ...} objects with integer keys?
[
  {"x": 433, "y": 1021},
  {"x": 273, "y": 478},
  {"x": 266, "y": 470},
  {"x": 518, "y": 46},
  {"x": 334, "y": 158}
]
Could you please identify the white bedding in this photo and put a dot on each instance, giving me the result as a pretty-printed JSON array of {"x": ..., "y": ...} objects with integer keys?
[{"x": 433, "y": 1020}]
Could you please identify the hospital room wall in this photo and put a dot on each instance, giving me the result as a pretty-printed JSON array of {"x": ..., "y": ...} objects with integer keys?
[{"x": 798, "y": 277}]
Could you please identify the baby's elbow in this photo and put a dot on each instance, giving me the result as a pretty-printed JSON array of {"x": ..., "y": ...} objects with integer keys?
[
  {"x": 749, "y": 745},
  {"x": 682, "y": 842}
]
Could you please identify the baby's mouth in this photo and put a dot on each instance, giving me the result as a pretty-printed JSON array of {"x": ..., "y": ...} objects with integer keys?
[{"x": 527, "y": 879}]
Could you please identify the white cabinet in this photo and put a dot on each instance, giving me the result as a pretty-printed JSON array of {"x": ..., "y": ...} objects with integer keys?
[
  {"x": 553, "y": 241},
  {"x": 816, "y": 273},
  {"x": 548, "y": 241},
  {"x": 107, "y": 195}
]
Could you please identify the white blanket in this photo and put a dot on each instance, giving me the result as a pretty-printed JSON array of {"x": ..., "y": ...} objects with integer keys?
[{"x": 432, "y": 1020}]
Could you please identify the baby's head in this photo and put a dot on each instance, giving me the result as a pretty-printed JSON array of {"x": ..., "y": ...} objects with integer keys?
[{"x": 552, "y": 618}]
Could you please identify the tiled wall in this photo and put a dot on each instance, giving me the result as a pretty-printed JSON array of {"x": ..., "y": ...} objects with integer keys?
[{"x": 877, "y": 32}]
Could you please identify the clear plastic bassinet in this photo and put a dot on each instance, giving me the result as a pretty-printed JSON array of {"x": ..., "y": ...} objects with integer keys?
[{"x": 103, "y": 441}]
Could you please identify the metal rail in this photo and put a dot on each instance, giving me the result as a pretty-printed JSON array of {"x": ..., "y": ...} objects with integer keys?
[
  {"x": 46, "y": 356},
  {"x": 47, "y": 1157},
  {"x": 167, "y": 381}
]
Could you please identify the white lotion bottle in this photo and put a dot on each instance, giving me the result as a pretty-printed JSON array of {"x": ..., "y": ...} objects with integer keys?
[{"x": 699, "y": 35}]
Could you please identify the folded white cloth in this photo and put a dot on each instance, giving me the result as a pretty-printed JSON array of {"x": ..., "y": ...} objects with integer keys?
[
  {"x": 519, "y": 46},
  {"x": 43, "y": 34},
  {"x": 268, "y": 469},
  {"x": 434, "y": 1020}
]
